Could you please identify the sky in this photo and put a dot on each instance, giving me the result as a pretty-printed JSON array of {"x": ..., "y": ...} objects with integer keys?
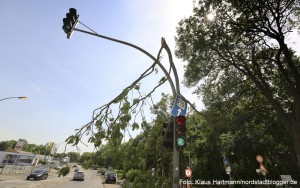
[{"x": 66, "y": 79}]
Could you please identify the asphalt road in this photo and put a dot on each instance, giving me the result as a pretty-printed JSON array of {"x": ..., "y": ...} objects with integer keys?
[{"x": 92, "y": 180}]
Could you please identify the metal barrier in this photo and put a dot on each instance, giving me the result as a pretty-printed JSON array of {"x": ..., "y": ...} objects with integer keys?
[{"x": 16, "y": 169}]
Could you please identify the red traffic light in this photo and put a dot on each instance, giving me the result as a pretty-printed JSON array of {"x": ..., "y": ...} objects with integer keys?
[{"x": 180, "y": 120}]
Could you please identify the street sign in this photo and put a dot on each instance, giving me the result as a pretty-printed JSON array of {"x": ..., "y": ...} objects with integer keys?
[
  {"x": 180, "y": 107},
  {"x": 226, "y": 161},
  {"x": 188, "y": 172},
  {"x": 228, "y": 169}
]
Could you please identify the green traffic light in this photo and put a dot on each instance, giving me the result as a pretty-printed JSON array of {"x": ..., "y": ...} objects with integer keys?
[{"x": 181, "y": 141}]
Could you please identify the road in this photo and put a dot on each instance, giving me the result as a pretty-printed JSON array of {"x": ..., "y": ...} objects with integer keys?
[{"x": 92, "y": 180}]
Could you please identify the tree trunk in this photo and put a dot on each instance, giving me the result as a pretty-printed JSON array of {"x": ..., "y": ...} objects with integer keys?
[
  {"x": 296, "y": 142},
  {"x": 296, "y": 127}
]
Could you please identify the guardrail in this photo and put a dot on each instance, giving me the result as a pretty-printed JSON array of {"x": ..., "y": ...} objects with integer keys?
[
  {"x": 16, "y": 169},
  {"x": 20, "y": 169}
]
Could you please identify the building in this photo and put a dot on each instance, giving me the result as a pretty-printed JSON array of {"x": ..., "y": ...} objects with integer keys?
[{"x": 17, "y": 157}]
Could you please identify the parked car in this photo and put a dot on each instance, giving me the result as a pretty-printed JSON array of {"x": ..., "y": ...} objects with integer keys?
[
  {"x": 106, "y": 172},
  {"x": 79, "y": 175},
  {"x": 38, "y": 174},
  {"x": 111, "y": 177}
]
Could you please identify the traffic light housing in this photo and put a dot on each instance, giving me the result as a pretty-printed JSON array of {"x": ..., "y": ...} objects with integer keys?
[
  {"x": 168, "y": 135},
  {"x": 70, "y": 22},
  {"x": 180, "y": 132}
]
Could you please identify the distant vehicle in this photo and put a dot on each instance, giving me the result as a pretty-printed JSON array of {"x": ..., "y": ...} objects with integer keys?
[
  {"x": 110, "y": 177},
  {"x": 77, "y": 169},
  {"x": 106, "y": 172},
  {"x": 38, "y": 174},
  {"x": 79, "y": 175}
]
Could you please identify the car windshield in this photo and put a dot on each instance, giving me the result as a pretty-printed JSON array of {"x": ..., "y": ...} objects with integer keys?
[{"x": 112, "y": 175}]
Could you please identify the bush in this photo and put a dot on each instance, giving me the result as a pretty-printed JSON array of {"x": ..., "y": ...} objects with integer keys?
[
  {"x": 120, "y": 173},
  {"x": 131, "y": 174},
  {"x": 101, "y": 170}
]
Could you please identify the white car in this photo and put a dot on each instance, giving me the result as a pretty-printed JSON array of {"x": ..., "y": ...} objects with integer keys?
[{"x": 79, "y": 175}]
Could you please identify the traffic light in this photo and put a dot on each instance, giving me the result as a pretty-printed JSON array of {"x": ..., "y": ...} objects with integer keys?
[
  {"x": 168, "y": 133},
  {"x": 70, "y": 22},
  {"x": 180, "y": 132}
]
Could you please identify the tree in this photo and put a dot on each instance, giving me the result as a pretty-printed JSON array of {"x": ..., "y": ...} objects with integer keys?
[
  {"x": 74, "y": 156},
  {"x": 244, "y": 48},
  {"x": 9, "y": 144}
]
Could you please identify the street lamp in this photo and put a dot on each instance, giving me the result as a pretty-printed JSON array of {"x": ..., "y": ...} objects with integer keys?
[{"x": 21, "y": 98}]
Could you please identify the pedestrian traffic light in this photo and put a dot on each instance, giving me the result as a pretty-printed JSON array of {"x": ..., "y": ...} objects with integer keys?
[
  {"x": 180, "y": 132},
  {"x": 168, "y": 135},
  {"x": 70, "y": 22}
]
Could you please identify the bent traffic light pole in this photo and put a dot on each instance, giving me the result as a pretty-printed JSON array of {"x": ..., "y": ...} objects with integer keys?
[{"x": 175, "y": 91}]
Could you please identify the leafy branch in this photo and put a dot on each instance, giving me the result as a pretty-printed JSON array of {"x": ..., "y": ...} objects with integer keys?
[{"x": 107, "y": 125}]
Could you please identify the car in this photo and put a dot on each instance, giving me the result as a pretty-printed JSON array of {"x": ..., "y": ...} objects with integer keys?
[
  {"x": 111, "y": 177},
  {"x": 79, "y": 175},
  {"x": 38, "y": 174}
]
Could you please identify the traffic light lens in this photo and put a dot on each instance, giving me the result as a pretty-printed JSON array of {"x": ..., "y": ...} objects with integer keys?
[
  {"x": 180, "y": 120},
  {"x": 180, "y": 130},
  {"x": 180, "y": 141}
]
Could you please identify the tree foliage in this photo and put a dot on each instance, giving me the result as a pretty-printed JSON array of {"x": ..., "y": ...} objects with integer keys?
[
  {"x": 245, "y": 48},
  {"x": 236, "y": 132},
  {"x": 9, "y": 144},
  {"x": 33, "y": 148}
]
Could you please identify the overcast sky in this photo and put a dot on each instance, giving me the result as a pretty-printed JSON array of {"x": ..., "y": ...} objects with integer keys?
[{"x": 66, "y": 79}]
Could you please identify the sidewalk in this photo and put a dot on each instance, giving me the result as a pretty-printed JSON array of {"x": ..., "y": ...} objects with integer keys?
[
  {"x": 5, "y": 177},
  {"x": 19, "y": 180}
]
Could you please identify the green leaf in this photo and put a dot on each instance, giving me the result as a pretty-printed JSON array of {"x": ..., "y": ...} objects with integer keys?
[
  {"x": 136, "y": 101},
  {"x": 135, "y": 126},
  {"x": 63, "y": 171},
  {"x": 136, "y": 87}
]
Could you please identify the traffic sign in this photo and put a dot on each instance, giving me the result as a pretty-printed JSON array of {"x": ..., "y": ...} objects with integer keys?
[
  {"x": 188, "y": 172},
  {"x": 227, "y": 165},
  {"x": 180, "y": 107}
]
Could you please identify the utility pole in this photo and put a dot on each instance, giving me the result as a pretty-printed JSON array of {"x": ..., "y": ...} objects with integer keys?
[{"x": 175, "y": 159}]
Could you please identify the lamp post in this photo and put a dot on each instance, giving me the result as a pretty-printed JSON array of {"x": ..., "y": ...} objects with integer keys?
[{"x": 21, "y": 98}]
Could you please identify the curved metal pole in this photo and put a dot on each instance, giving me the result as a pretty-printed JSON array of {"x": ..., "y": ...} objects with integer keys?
[
  {"x": 165, "y": 45},
  {"x": 22, "y": 98},
  {"x": 141, "y": 50},
  {"x": 174, "y": 91}
]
